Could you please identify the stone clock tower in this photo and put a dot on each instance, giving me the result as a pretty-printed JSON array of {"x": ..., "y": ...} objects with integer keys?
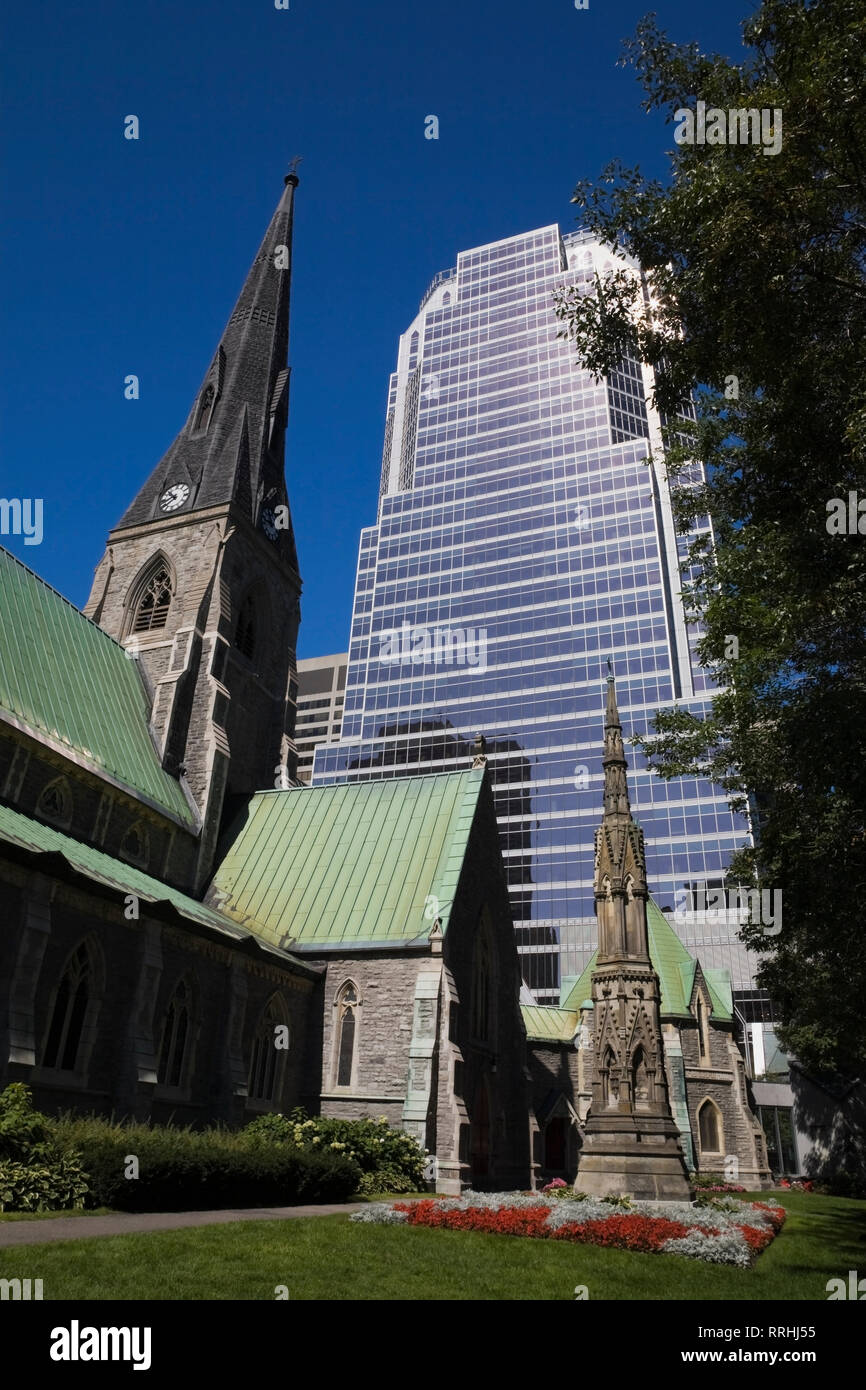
[
  {"x": 200, "y": 577},
  {"x": 631, "y": 1142}
]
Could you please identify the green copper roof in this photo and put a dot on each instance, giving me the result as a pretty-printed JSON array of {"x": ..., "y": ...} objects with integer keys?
[
  {"x": 352, "y": 865},
  {"x": 65, "y": 681},
  {"x": 543, "y": 1023},
  {"x": 675, "y": 968},
  {"x": 32, "y": 835}
]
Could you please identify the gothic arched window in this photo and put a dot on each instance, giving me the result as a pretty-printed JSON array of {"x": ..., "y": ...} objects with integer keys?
[
  {"x": 347, "y": 1033},
  {"x": 265, "y": 1064},
  {"x": 175, "y": 1037},
  {"x": 245, "y": 632},
  {"x": 710, "y": 1127},
  {"x": 202, "y": 419},
  {"x": 55, "y": 802},
  {"x": 135, "y": 845},
  {"x": 65, "y": 1031},
  {"x": 481, "y": 990},
  {"x": 154, "y": 602}
]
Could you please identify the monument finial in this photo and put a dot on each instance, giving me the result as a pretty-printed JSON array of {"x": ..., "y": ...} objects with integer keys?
[{"x": 292, "y": 175}]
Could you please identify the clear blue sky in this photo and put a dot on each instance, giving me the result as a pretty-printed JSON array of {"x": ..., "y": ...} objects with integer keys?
[{"x": 125, "y": 257}]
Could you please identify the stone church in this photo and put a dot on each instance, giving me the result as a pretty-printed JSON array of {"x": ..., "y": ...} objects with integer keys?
[{"x": 189, "y": 933}]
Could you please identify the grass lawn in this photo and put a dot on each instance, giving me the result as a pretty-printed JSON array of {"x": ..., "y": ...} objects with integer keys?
[{"x": 329, "y": 1258}]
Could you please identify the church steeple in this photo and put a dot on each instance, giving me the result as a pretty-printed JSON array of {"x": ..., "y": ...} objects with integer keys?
[
  {"x": 232, "y": 447},
  {"x": 200, "y": 578}
]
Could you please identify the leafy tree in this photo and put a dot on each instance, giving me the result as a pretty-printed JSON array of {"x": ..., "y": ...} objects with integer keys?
[{"x": 754, "y": 289}]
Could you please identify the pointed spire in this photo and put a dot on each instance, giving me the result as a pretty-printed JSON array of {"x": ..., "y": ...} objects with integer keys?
[
  {"x": 616, "y": 803},
  {"x": 232, "y": 447}
]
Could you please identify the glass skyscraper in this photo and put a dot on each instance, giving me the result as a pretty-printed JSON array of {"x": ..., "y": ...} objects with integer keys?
[{"x": 523, "y": 539}]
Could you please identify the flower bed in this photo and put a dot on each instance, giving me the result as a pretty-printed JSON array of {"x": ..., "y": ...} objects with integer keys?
[{"x": 721, "y": 1231}]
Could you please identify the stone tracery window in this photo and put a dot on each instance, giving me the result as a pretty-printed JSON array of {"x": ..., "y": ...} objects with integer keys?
[
  {"x": 152, "y": 608},
  {"x": 175, "y": 1037},
  {"x": 63, "y": 1044},
  {"x": 266, "y": 1063},
  {"x": 55, "y": 802},
  {"x": 346, "y": 1034},
  {"x": 135, "y": 845}
]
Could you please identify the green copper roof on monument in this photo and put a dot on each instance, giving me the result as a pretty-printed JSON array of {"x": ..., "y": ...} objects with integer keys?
[
  {"x": 675, "y": 967},
  {"x": 31, "y": 835},
  {"x": 68, "y": 684},
  {"x": 353, "y": 865},
  {"x": 544, "y": 1023}
]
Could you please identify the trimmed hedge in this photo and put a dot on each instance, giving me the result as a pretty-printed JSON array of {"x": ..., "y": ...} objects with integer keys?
[{"x": 187, "y": 1170}]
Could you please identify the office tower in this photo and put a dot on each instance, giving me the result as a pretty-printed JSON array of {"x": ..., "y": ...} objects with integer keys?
[
  {"x": 522, "y": 541},
  {"x": 321, "y": 690}
]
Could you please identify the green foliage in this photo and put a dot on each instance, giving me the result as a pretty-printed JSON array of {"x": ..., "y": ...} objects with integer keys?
[
  {"x": 62, "y": 1186},
  {"x": 25, "y": 1134},
  {"x": 390, "y": 1160},
  {"x": 35, "y": 1173},
  {"x": 183, "y": 1169},
  {"x": 757, "y": 267},
  {"x": 845, "y": 1183}
]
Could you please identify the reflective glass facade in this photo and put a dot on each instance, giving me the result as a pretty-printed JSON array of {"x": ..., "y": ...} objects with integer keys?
[{"x": 522, "y": 540}]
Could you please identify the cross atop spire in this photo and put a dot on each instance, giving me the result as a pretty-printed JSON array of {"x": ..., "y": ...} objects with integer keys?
[{"x": 232, "y": 447}]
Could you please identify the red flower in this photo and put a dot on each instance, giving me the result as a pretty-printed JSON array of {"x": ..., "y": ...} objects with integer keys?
[{"x": 626, "y": 1231}]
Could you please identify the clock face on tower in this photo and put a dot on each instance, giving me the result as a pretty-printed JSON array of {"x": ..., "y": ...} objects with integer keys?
[
  {"x": 174, "y": 497},
  {"x": 269, "y": 523}
]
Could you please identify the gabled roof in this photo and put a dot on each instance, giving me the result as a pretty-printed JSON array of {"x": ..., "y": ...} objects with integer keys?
[
  {"x": 546, "y": 1024},
  {"x": 358, "y": 865},
  {"x": 32, "y": 836},
  {"x": 68, "y": 684},
  {"x": 675, "y": 967}
]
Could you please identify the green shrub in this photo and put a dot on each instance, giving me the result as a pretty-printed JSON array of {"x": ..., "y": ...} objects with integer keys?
[
  {"x": 844, "y": 1183},
  {"x": 37, "y": 1187},
  {"x": 187, "y": 1170},
  {"x": 387, "y": 1180},
  {"x": 25, "y": 1135},
  {"x": 390, "y": 1159}
]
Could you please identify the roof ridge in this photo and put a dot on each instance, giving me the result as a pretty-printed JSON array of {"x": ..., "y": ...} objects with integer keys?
[{"x": 367, "y": 781}]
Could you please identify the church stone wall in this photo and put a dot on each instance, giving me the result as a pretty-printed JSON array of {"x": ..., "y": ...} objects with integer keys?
[
  {"x": 135, "y": 966},
  {"x": 385, "y": 982},
  {"x": 102, "y": 814},
  {"x": 497, "y": 1062}
]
